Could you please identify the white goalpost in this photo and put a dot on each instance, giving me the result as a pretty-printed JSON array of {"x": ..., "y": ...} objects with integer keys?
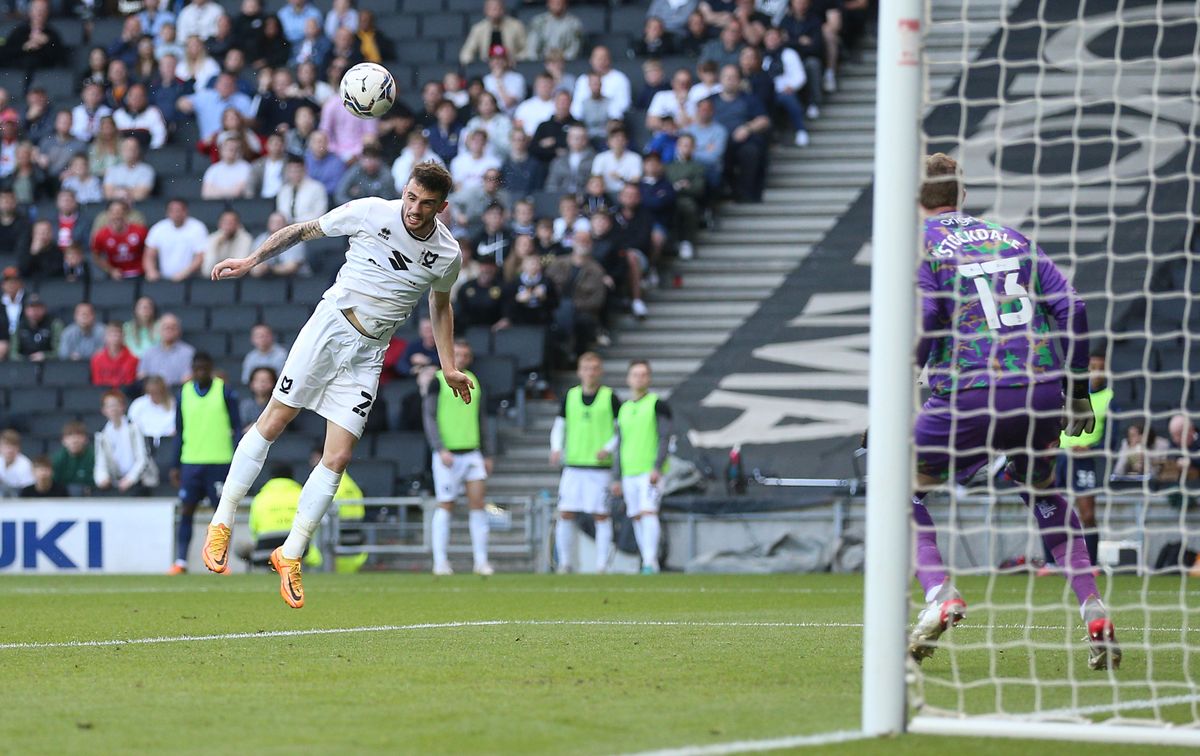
[{"x": 1076, "y": 124}]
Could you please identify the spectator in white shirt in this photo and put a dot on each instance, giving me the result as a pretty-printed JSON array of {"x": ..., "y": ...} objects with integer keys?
[
  {"x": 292, "y": 261},
  {"x": 175, "y": 245},
  {"x": 85, "y": 117},
  {"x": 416, "y": 152},
  {"x": 196, "y": 65},
  {"x": 469, "y": 165},
  {"x": 506, "y": 84},
  {"x": 495, "y": 122},
  {"x": 228, "y": 177},
  {"x": 340, "y": 16},
  {"x": 199, "y": 18},
  {"x": 613, "y": 84},
  {"x": 617, "y": 165},
  {"x": 141, "y": 119},
  {"x": 266, "y": 173},
  {"x": 122, "y": 459},
  {"x": 153, "y": 413},
  {"x": 302, "y": 198},
  {"x": 673, "y": 102},
  {"x": 16, "y": 471},
  {"x": 131, "y": 179},
  {"x": 229, "y": 241},
  {"x": 537, "y": 109}
]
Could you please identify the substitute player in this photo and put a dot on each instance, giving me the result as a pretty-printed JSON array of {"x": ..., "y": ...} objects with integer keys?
[
  {"x": 582, "y": 440},
  {"x": 462, "y": 458},
  {"x": 992, "y": 307},
  {"x": 644, "y": 433},
  {"x": 1081, "y": 455},
  {"x": 398, "y": 250}
]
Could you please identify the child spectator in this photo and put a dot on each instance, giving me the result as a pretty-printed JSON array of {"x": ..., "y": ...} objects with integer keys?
[
  {"x": 494, "y": 240},
  {"x": 44, "y": 486},
  {"x": 79, "y": 179},
  {"x": 75, "y": 461},
  {"x": 261, "y": 383},
  {"x": 154, "y": 412},
  {"x": 595, "y": 198},
  {"x": 141, "y": 331},
  {"x": 531, "y": 299},
  {"x": 114, "y": 365},
  {"x": 37, "y": 333},
  {"x": 122, "y": 461},
  {"x": 568, "y": 222},
  {"x": 16, "y": 471}
]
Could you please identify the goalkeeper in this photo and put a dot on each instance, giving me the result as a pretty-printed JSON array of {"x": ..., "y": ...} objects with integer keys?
[{"x": 992, "y": 307}]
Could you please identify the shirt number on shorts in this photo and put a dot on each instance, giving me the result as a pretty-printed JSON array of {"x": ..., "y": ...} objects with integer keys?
[
  {"x": 1013, "y": 290},
  {"x": 361, "y": 409}
]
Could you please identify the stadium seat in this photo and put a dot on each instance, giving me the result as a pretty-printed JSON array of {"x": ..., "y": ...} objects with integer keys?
[
  {"x": 448, "y": 26},
  {"x": 411, "y": 455},
  {"x": 36, "y": 399},
  {"x": 230, "y": 369},
  {"x": 234, "y": 318},
  {"x": 19, "y": 375},
  {"x": 424, "y": 49},
  {"x": 202, "y": 291},
  {"x": 473, "y": 7},
  {"x": 525, "y": 343},
  {"x": 60, "y": 295},
  {"x": 379, "y": 7},
  {"x": 193, "y": 318},
  {"x": 66, "y": 373},
  {"x": 215, "y": 343},
  {"x": 307, "y": 291},
  {"x": 107, "y": 293},
  {"x": 498, "y": 378},
  {"x": 480, "y": 339},
  {"x": 545, "y": 204},
  {"x": 421, "y": 7},
  {"x": 375, "y": 478},
  {"x": 285, "y": 316},
  {"x": 394, "y": 393},
  {"x": 168, "y": 294},
  {"x": 293, "y": 447},
  {"x": 170, "y": 160},
  {"x": 264, "y": 291},
  {"x": 309, "y": 423},
  {"x": 82, "y": 398},
  {"x": 628, "y": 24}
]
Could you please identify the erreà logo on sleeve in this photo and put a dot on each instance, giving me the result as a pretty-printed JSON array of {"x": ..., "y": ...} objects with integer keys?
[{"x": 21, "y": 543}]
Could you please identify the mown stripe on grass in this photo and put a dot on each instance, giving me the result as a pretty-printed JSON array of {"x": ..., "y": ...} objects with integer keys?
[{"x": 752, "y": 746}]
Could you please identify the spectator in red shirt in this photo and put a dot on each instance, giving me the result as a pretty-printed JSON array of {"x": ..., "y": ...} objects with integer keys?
[
  {"x": 119, "y": 245},
  {"x": 114, "y": 365}
]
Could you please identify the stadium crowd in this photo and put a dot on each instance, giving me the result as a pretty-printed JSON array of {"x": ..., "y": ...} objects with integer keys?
[{"x": 581, "y": 170}]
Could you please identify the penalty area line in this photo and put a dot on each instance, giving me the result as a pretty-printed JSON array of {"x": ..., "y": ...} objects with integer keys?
[
  {"x": 403, "y": 628},
  {"x": 751, "y": 746}
]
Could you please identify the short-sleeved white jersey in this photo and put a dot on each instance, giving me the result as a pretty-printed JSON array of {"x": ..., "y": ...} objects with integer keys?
[{"x": 387, "y": 269}]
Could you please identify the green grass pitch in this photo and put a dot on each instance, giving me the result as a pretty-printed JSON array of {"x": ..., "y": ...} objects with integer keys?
[{"x": 543, "y": 664}]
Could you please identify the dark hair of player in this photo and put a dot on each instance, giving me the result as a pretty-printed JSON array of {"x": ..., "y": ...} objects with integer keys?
[
  {"x": 943, "y": 183},
  {"x": 433, "y": 177},
  {"x": 282, "y": 470},
  {"x": 635, "y": 363}
]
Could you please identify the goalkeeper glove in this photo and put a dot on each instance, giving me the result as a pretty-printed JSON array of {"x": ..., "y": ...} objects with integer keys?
[{"x": 1080, "y": 418}]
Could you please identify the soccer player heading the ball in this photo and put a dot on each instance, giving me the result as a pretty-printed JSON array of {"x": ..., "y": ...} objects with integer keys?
[
  {"x": 992, "y": 306},
  {"x": 398, "y": 250}
]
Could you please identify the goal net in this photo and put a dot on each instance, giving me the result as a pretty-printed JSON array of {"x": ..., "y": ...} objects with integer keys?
[{"x": 1076, "y": 123}]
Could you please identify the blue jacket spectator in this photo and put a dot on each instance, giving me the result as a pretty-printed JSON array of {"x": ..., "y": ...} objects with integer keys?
[
  {"x": 210, "y": 104},
  {"x": 293, "y": 17}
]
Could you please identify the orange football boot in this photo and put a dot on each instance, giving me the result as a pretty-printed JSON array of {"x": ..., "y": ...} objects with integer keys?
[
  {"x": 290, "y": 585},
  {"x": 216, "y": 549}
]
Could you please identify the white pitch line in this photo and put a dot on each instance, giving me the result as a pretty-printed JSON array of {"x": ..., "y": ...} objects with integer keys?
[
  {"x": 403, "y": 628},
  {"x": 427, "y": 588},
  {"x": 751, "y": 746}
]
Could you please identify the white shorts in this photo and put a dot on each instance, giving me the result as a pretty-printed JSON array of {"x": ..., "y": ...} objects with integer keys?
[
  {"x": 584, "y": 490},
  {"x": 332, "y": 369},
  {"x": 640, "y": 496},
  {"x": 449, "y": 481}
]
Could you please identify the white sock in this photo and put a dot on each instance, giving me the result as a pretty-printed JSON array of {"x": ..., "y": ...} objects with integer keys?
[
  {"x": 247, "y": 463},
  {"x": 650, "y": 530},
  {"x": 441, "y": 536},
  {"x": 604, "y": 537},
  {"x": 479, "y": 535},
  {"x": 564, "y": 541},
  {"x": 637, "y": 533},
  {"x": 932, "y": 593},
  {"x": 315, "y": 498}
]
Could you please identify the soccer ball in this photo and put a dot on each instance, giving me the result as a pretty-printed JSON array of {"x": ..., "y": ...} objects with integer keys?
[{"x": 368, "y": 90}]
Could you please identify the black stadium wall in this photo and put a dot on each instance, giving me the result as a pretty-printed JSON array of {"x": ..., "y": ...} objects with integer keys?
[{"x": 1099, "y": 165}]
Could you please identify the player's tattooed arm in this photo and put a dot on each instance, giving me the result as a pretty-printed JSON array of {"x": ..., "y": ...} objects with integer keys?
[
  {"x": 276, "y": 243},
  {"x": 286, "y": 238}
]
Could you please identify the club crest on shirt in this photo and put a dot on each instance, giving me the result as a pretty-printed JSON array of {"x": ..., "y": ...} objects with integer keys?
[{"x": 428, "y": 258}]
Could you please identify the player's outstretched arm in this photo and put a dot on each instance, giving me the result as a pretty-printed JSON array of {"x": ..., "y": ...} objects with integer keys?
[
  {"x": 283, "y": 239},
  {"x": 442, "y": 316}
]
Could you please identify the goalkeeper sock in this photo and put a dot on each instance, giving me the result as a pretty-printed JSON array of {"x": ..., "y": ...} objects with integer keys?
[
  {"x": 247, "y": 463},
  {"x": 315, "y": 498},
  {"x": 564, "y": 541},
  {"x": 650, "y": 534},
  {"x": 930, "y": 570},
  {"x": 1062, "y": 535}
]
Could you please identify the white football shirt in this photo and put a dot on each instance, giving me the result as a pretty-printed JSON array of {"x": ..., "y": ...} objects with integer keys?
[{"x": 387, "y": 269}]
